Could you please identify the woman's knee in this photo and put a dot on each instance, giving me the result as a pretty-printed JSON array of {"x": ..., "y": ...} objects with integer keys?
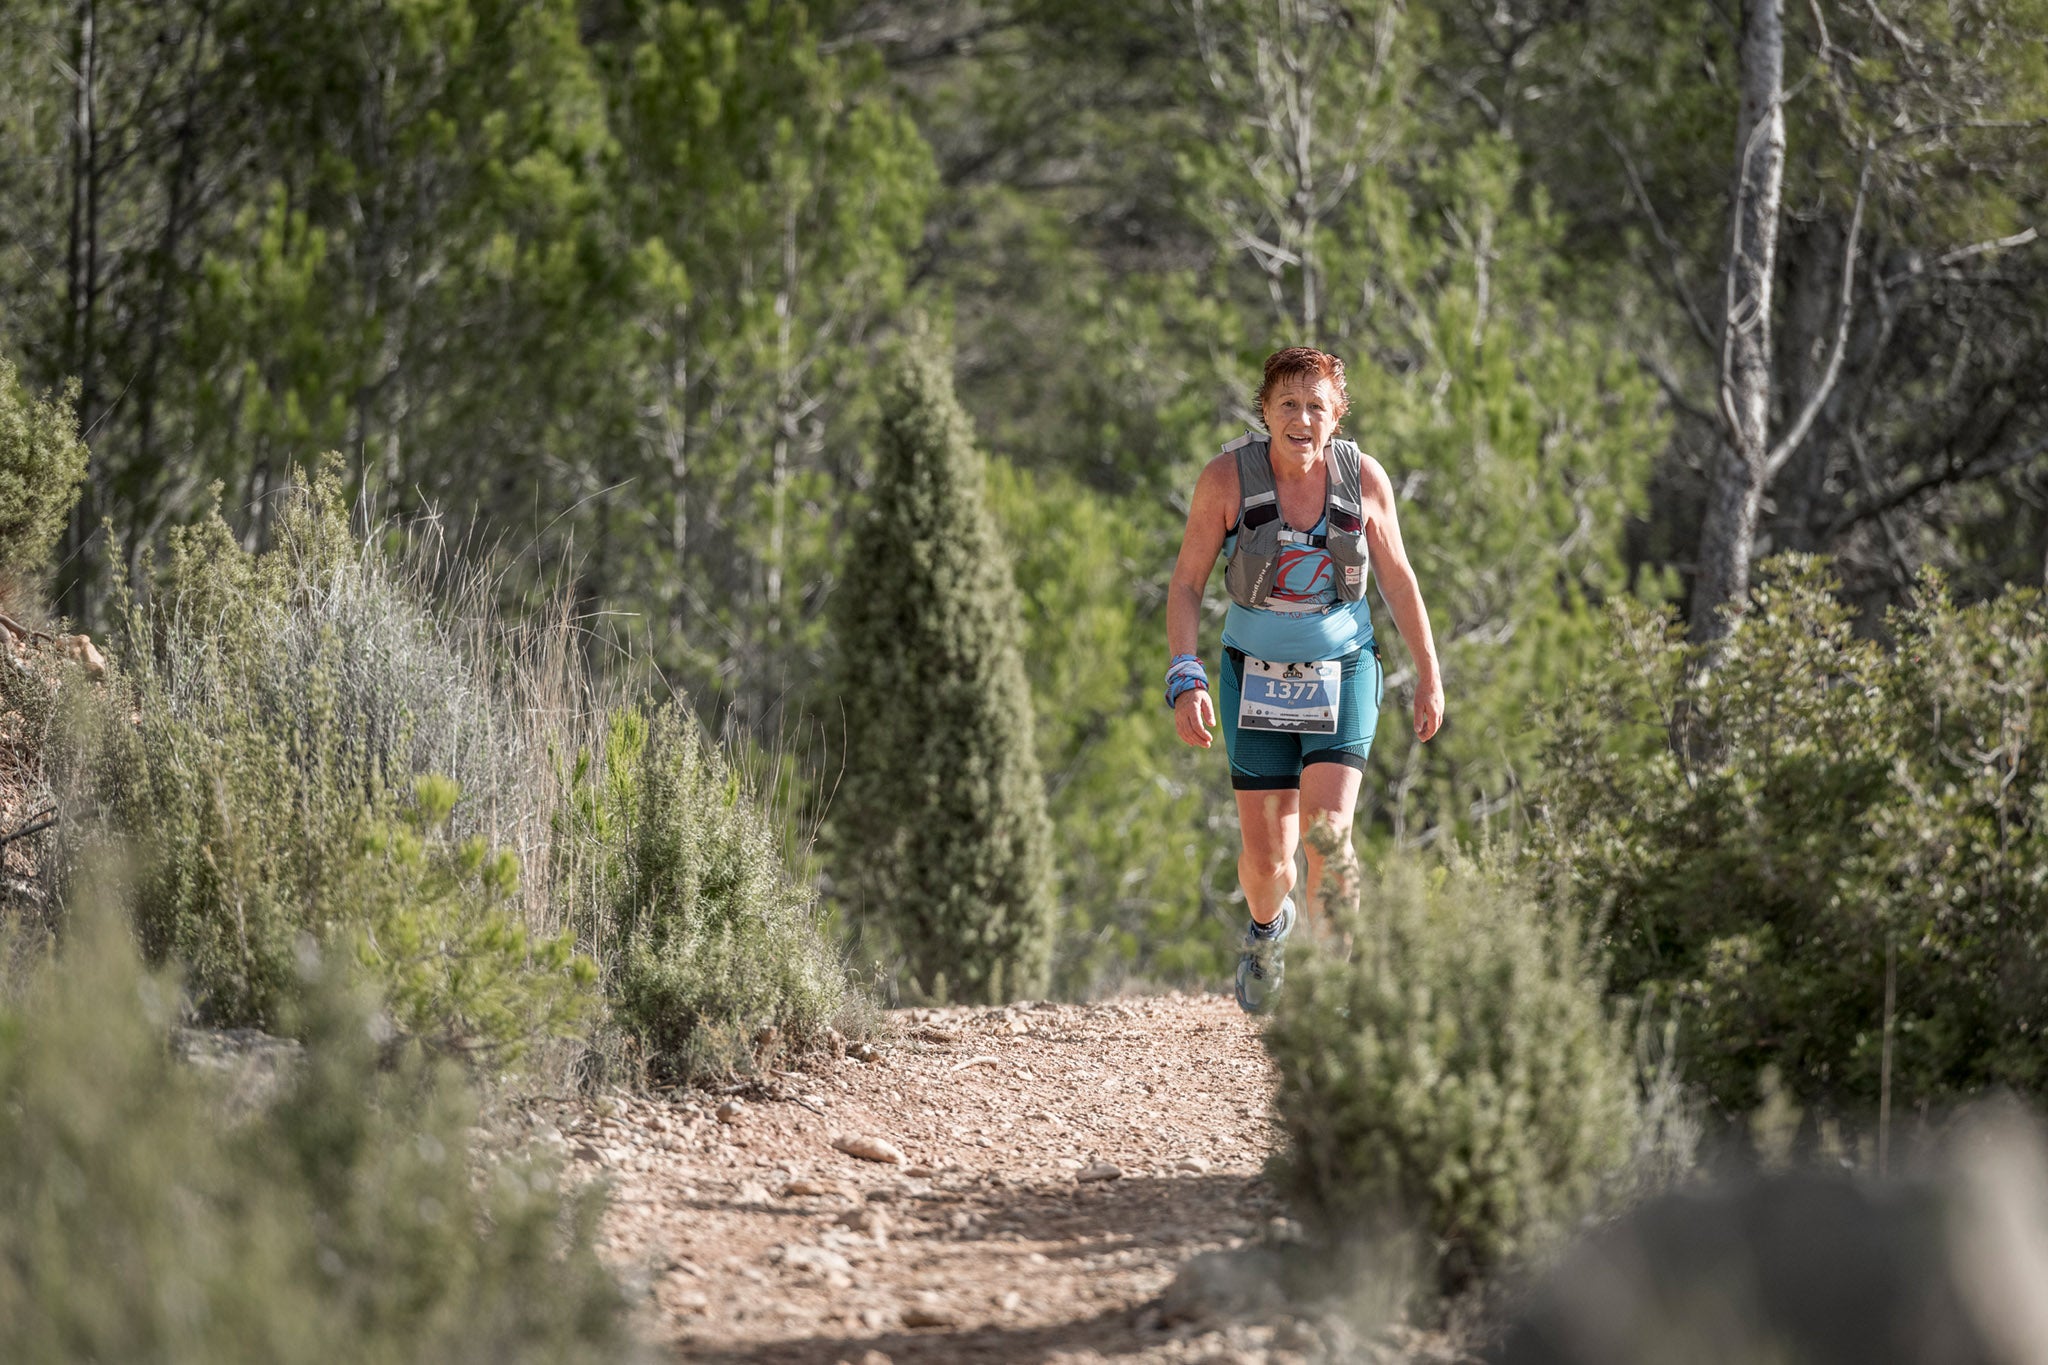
[
  {"x": 1340, "y": 818},
  {"x": 1263, "y": 862}
]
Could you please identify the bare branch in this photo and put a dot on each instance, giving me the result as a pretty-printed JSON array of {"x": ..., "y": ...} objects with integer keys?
[
  {"x": 1675, "y": 394},
  {"x": 895, "y": 41},
  {"x": 1676, "y": 279},
  {"x": 1898, "y": 35},
  {"x": 1270, "y": 253},
  {"x": 1949, "y": 474},
  {"x": 1844, "y": 310},
  {"x": 1900, "y": 560},
  {"x": 19, "y": 631},
  {"x": 1466, "y": 89},
  {"x": 1820, "y": 23},
  {"x": 1979, "y": 248},
  {"x": 36, "y": 824},
  {"x": 1964, "y": 253},
  {"x": 1950, "y": 125}
]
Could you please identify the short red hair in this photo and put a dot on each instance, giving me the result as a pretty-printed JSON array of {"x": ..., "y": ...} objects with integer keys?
[{"x": 1303, "y": 362}]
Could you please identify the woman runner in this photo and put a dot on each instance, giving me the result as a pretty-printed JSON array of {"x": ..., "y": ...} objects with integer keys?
[{"x": 1299, "y": 514}]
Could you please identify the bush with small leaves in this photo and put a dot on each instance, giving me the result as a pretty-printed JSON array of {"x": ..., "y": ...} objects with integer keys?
[
  {"x": 705, "y": 937},
  {"x": 42, "y": 463},
  {"x": 1447, "y": 1068},
  {"x": 439, "y": 933},
  {"x": 293, "y": 745},
  {"x": 300, "y": 742},
  {"x": 141, "y": 1218},
  {"x": 1789, "y": 836}
]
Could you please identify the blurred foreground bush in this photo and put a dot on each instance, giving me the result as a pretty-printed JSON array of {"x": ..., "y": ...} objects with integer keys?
[
  {"x": 1454, "y": 1074},
  {"x": 1819, "y": 1265},
  {"x": 340, "y": 1221},
  {"x": 711, "y": 948},
  {"x": 1833, "y": 811}
]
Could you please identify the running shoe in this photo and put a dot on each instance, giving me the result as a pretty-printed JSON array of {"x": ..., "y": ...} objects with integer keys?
[{"x": 1260, "y": 966}]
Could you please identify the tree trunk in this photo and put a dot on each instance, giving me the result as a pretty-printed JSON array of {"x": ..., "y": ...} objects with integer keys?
[
  {"x": 1728, "y": 530},
  {"x": 785, "y": 422},
  {"x": 181, "y": 191},
  {"x": 1809, "y": 279},
  {"x": 82, "y": 288}
]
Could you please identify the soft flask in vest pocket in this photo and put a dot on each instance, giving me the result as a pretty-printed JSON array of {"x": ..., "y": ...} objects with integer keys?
[
  {"x": 1345, "y": 543},
  {"x": 1256, "y": 560}
]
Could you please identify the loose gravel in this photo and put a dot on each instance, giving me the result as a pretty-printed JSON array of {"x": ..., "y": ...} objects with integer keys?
[{"x": 1017, "y": 1184}]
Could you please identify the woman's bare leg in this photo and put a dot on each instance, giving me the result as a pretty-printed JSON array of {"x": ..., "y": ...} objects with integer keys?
[
  {"x": 1326, "y": 789},
  {"x": 1270, "y": 823}
]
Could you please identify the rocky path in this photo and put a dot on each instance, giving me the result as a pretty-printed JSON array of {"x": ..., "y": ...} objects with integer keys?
[{"x": 1058, "y": 1165}]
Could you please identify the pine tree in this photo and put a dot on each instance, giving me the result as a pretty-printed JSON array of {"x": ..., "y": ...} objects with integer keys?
[{"x": 940, "y": 828}]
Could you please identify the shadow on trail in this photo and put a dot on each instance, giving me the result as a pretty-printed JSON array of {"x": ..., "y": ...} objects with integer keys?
[
  {"x": 1109, "y": 1334},
  {"x": 1168, "y": 1212},
  {"x": 1103, "y": 1253}
]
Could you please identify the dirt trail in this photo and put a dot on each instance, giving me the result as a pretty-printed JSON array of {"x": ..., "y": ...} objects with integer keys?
[{"x": 1003, "y": 1236}]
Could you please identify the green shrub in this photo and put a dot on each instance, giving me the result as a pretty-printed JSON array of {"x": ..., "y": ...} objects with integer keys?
[
  {"x": 42, "y": 462},
  {"x": 1832, "y": 805},
  {"x": 438, "y": 932},
  {"x": 263, "y": 750},
  {"x": 341, "y": 1220},
  {"x": 1451, "y": 1070},
  {"x": 705, "y": 938},
  {"x": 939, "y": 830},
  {"x": 305, "y": 742}
]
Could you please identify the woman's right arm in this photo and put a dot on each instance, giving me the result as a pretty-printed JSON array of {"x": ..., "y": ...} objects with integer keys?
[{"x": 1209, "y": 513}]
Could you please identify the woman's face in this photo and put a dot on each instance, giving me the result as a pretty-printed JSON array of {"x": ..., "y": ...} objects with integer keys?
[{"x": 1301, "y": 415}]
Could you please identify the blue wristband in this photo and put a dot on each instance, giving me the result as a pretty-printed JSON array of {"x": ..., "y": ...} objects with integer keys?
[{"x": 1184, "y": 674}]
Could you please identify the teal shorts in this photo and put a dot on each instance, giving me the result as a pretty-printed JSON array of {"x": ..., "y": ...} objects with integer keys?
[{"x": 1267, "y": 760}]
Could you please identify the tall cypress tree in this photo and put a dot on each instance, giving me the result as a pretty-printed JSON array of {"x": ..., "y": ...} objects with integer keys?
[{"x": 940, "y": 830}]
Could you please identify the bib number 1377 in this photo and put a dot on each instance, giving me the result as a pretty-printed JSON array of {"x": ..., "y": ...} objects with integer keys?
[{"x": 1298, "y": 698}]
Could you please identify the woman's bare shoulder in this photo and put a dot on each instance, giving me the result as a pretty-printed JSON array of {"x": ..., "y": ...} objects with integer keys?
[
  {"x": 1213, "y": 507},
  {"x": 1373, "y": 482},
  {"x": 1220, "y": 472}
]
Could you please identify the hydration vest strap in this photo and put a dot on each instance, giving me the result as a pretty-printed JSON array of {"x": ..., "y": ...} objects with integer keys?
[
  {"x": 1281, "y": 608},
  {"x": 1256, "y": 510}
]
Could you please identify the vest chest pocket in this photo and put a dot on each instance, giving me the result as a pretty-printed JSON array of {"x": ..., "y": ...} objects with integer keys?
[
  {"x": 1249, "y": 574},
  {"x": 1345, "y": 544}
]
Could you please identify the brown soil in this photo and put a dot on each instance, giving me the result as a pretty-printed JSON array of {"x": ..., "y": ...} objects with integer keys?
[
  {"x": 1061, "y": 1163},
  {"x": 26, "y": 809}
]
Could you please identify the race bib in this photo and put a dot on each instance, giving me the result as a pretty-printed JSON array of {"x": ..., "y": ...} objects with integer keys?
[{"x": 1300, "y": 699}]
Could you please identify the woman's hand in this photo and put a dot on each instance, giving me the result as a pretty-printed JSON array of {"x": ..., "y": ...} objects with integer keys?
[
  {"x": 1429, "y": 709},
  {"x": 1194, "y": 716}
]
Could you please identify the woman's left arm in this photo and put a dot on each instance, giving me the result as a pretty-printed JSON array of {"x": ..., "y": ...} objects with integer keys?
[{"x": 1403, "y": 597}]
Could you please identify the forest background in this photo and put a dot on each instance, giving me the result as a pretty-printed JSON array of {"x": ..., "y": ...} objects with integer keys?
[{"x": 604, "y": 288}]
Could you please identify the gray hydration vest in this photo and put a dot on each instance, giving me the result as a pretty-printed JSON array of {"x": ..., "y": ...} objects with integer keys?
[{"x": 1255, "y": 560}]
